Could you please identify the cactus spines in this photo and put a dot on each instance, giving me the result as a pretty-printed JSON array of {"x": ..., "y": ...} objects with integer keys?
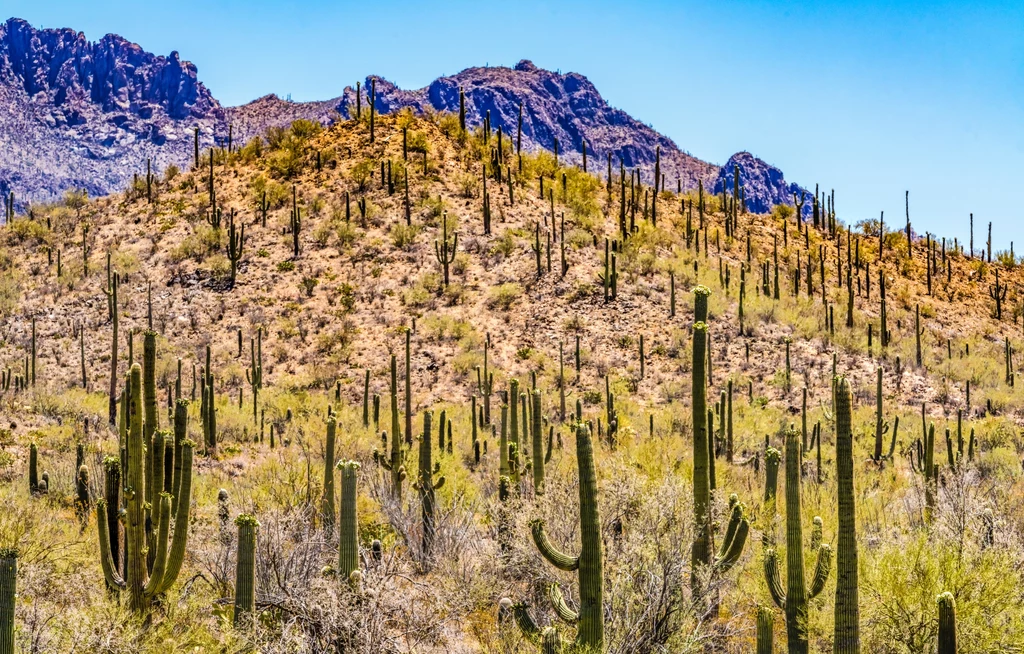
[
  {"x": 245, "y": 569},
  {"x": 327, "y": 506},
  {"x": 444, "y": 250},
  {"x": 348, "y": 521},
  {"x": 8, "y": 595},
  {"x": 588, "y": 564},
  {"x": 847, "y": 611},
  {"x": 947, "y": 623},
  {"x": 794, "y": 598},
  {"x": 426, "y": 485},
  {"x": 143, "y": 587}
]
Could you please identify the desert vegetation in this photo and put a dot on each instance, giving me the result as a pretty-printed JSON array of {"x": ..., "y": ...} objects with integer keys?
[{"x": 399, "y": 385}]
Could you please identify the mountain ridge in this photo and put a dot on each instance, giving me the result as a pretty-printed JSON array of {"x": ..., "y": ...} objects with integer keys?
[{"x": 93, "y": 115}]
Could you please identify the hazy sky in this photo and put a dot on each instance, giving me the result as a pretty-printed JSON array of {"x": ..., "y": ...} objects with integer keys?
[{"x": 869, "y": 98}]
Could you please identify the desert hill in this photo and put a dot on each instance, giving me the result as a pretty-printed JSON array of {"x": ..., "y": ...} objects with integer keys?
[{"x": 338, "y": 292}]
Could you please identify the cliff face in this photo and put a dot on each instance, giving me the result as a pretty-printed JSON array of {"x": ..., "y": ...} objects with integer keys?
[{"x": 81, "y": 114}]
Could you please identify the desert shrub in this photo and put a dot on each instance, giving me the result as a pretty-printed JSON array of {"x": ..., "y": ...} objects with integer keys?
[{"x": 504, "y": 296}]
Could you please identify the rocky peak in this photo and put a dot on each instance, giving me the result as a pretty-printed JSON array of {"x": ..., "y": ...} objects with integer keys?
[
  {"x": 763, "y": 184},
  {"x": 62, "y": 67}
]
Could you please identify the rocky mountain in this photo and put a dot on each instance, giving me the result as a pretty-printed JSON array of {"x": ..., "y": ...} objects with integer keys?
[
  {"x": 88, "y": 114},
  {"x": 81, "y": 114},
  {"x": 763, "y": 183}
]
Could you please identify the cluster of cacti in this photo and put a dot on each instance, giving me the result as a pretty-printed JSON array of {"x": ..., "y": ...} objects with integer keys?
[
  {"x": 794, "y": 597},
  {"x": 208, "y": 407},
  {"x": 150, "y": 566},
  {"x": 588, "y": 565},
  {"x": 702, "y": 555}
]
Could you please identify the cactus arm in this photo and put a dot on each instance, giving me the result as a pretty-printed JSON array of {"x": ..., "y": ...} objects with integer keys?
[
  {"x": 551, "y": 642},
  {"x": 821, "y": 571},
  {"x": 728, "y": 558},
  {"x": 548, "y": 551},
  {"x": 526, "y": 623},
  {"x": 110, "y": 572},
  {"x": 163, "y": 531},
  {"x": 771, "y": 575},
  {"x": 180, "y": 539},
  {"x": 561, "y": 608}
]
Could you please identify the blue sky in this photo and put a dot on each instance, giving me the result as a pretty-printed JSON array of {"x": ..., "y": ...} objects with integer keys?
[{"x": 869, "y": 98}]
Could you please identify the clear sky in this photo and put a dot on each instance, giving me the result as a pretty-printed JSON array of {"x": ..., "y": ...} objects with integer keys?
[{"x": 869, "y": 98}]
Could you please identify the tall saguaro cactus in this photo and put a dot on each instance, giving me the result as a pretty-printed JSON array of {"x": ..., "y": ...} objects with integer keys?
[
  {"x": 143, "y": 585},
  {"x": 348, "y": 521},
  {"x": 703, "y": 556},
  {"x": 426, "y": 485},
  {"x": 395, "y": 461},
  {"x": 537, "y": 443},
  {"x": 245, "y": 569},
  {"x": 327, "y": 506},
  {"x": 8, "y": 588},
  {"x": 847, "y": 607},
  {"x": 701, "y": 552},
  {"x": 947, "y": 623},
  {"x": 794, "y": 598},
  {"x": 588, "y": 564}
]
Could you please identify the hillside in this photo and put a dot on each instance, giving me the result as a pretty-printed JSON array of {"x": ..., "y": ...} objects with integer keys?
[
  {"x": 89, "y": 115},
  {"x": 365, "y": 277}
]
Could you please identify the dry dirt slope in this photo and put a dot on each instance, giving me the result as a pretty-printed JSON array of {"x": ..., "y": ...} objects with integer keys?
[{"x": 372, "y": 281}]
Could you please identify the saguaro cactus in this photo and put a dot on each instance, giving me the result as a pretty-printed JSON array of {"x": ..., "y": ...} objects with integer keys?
[
  {"x": 327, "y": 506},
  {"x": 847, "y": 607},
  {"x": 426, "y": 485},
  {"x": 395, "y": 463},
  {"x": 8, "y": 588},
  {"x": 236, "y": 238},
  {"x": 947, "y": 623},
  {"x": 444, "y": 250},
  {"x": 245, "y": 569},
  {"x": 254, "y": 373},
  {"x": 588, "y": 565},
  {"x": 143, "y": 586},
  {"x": 794, "y": 598},
  {"x": 537, "y": 443},
  {"x": 765, "y": 630},
  {"x": 348, "y": 523}
]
